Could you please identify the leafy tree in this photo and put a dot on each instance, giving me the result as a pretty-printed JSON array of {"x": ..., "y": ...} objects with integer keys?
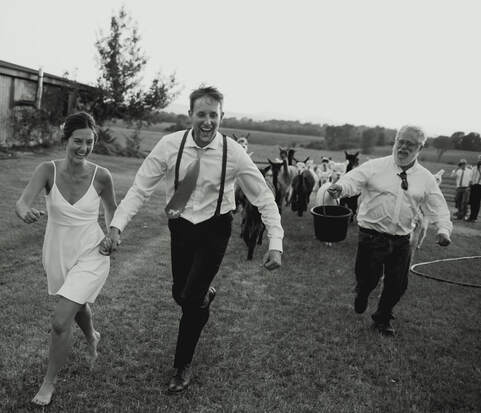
[
  {"x": 121, "y": 62},
  {"x": 472, "y": 142},
  {"x": 442, "y": 145},
  {"x": 457, "y": 138}
]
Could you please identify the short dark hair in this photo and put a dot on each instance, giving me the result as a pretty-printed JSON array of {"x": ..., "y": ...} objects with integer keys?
[
  {"x": 79, "y": 120},
  {"x": 209, "y": 91}
]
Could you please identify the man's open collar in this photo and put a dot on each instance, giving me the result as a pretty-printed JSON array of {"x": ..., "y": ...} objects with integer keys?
[{"x": 213, "y": 144}]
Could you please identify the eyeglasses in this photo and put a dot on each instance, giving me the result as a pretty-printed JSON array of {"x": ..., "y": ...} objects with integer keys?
[
  {"x": 404, "y": 180},
  {"x": 407, "y": 144}
]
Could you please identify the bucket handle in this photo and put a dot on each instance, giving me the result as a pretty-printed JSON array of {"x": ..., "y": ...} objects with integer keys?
[{"x": 323, "y": 206}]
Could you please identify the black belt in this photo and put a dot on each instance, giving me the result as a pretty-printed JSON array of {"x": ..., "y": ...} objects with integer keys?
[{"x": 382, "y": 234}]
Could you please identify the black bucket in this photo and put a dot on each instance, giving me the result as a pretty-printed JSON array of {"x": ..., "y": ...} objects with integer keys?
[{"x": 331, "y": 222}]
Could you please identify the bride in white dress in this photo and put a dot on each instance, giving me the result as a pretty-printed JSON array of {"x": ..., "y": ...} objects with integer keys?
[{"x": 75, "y": 269}]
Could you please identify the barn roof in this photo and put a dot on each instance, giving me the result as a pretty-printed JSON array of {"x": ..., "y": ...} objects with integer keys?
[{"x": 22, "y": 72}]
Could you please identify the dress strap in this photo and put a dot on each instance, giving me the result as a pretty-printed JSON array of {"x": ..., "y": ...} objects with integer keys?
[
  {"x": 95, "y": 173},
  {"x": 54, "y": 173}
]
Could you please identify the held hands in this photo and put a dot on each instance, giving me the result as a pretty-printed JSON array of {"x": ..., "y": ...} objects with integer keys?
[
  {"x": 443, "y": 240},
  {"x": 272, "y": 260},
  {"x": 335, "y": 191},
  {"x": 111, "y": 241},
  {"x": 29, "y": 215}
]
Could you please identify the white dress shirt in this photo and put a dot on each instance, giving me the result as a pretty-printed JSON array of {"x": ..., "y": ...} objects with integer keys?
[
  {"x": 476, "y": 178},
  {"x": 463, "y": 177},
  {"x": 386, "y": 207},
  {"x": 160, "y": 165}
]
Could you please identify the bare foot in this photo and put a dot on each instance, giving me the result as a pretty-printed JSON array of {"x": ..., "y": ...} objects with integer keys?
[
  {"x": 92, "y": 348},
  {"x": 44, "y": 395}
]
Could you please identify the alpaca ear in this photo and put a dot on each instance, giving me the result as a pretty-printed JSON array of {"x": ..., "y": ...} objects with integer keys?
[
  {"x": 356, "y": 154},
  {"x": 235, "y": 137}
]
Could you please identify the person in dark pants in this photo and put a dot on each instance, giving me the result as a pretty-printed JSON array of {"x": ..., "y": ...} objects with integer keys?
[
  {"x": 393, "y": 189},
  {"x": 463, "y": 176},
  {"x": 475, "y": 193},
  {"x": 199, "y": 167},
  {"x": 197, "y": 252}
]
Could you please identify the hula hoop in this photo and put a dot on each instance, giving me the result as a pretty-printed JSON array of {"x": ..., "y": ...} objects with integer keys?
[{"x": 413, "y": 270}]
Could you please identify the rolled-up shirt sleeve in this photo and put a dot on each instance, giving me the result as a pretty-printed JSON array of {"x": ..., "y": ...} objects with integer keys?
[
  {"x": 260, "y": 195},
  {"x": 436, "y": 210},
  {"x": 150, "y": 173}
]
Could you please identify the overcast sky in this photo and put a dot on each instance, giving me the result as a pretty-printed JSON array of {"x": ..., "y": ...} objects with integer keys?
[{"x": 362, "y": 62}]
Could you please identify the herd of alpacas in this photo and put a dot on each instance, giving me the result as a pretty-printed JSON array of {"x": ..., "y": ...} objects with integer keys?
[{"x": 292, "y": 183}]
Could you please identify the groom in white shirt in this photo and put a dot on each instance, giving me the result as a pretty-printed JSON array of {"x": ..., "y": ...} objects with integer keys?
[{"x": 200, "y": 228}]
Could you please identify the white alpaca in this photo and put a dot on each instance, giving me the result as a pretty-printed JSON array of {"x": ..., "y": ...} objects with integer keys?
[
  {"x": 300, "y": 166},
  {"x": 324, "y": 171},
  {"x": 339, "y": 167},
  {"x": 323, "y": 197}
]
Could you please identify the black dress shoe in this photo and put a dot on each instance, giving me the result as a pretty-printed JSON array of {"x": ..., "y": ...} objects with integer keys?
[
  {"x": 383, "y": 325},
  {"x": 360, "y": 302},
  {"x": 181, "y": 379}
]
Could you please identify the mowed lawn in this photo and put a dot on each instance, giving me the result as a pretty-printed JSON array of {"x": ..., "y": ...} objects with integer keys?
[{"x": 287, "y": 341}]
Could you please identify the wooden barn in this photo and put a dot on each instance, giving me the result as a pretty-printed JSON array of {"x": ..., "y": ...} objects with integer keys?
[{"x": 28, "y": 91}]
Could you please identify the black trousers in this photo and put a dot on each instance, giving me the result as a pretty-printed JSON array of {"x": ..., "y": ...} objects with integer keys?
[
  {"x": 474, "y": 201},
  {"x": 461, "y": 201},
  {"x": 383, "y": 254},
  {"x": 197, "y": 252}
]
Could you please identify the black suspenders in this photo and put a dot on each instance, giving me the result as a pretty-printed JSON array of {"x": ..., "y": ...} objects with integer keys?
[
  {"x": 222, "y": 175},
  {"x": 179, "y": 157},
  {"x": 223, "y": 171}
]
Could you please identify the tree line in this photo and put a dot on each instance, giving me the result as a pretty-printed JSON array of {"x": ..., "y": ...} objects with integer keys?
[
  {"x": 331, "y": 137},
  {"x": 458, "y": 140}
]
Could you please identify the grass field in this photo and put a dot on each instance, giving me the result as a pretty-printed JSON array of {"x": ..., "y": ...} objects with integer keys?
[{"x": 287, "y": 341}]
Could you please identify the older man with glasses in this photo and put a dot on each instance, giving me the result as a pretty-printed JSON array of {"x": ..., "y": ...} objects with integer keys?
[{"x": 393, "y": 189}]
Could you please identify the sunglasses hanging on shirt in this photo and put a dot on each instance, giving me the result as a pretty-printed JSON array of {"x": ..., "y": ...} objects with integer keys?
[{"x": 404, "y": 180}]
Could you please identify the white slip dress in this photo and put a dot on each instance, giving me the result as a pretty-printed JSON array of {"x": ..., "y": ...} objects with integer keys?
[{"x": 75, "y": 269}]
